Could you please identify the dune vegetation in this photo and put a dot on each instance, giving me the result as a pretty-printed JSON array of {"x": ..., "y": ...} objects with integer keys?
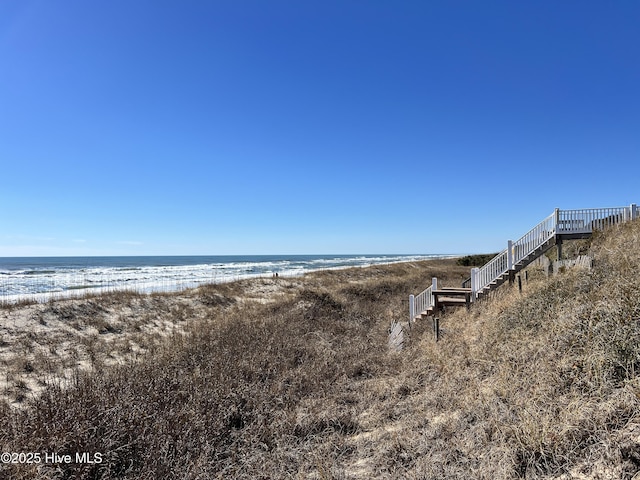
[{"x": 293, "y": 378}]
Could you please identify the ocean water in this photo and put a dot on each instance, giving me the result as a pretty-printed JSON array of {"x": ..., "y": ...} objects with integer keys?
[{"x": 41, "y": 278}]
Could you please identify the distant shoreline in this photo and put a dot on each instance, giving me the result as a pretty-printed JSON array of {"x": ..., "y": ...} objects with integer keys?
[{"x": 40, "y": 279}]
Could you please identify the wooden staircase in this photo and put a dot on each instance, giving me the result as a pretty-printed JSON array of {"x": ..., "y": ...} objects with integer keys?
[
  {"x": 560, "y": 225},
  {"x": 509, "y": 275},
  {"x": 446, "y": 297}
]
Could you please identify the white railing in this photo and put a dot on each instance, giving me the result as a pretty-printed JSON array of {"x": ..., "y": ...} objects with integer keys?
[
  {"x": 481, "y": 277},
  {"x": 423, "y": 301},
  {"x": 514, "y": 253},
  {"x": 560, "y": 222},
  {"x": 533, "y": 239},
  {"x": 591, "y": 219}
]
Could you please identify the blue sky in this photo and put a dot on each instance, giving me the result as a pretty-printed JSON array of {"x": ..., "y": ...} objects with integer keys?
[{"x": 151, "y": 127}]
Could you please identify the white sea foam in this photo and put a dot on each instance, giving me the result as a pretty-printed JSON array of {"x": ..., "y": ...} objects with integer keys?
[{"x": 43, "y": 281}]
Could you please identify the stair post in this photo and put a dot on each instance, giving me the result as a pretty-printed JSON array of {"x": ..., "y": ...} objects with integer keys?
[
  {"x": 433, "y": 301},
  {"x": 412, "y": 308},
  {"x": 474, "y": 283},
  {"x": 509, "y": 255},
  {"x": 559, "y": 248},
  {"x": 634, "y": 211}
]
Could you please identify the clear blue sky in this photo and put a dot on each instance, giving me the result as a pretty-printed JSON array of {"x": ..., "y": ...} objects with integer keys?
[{"x": 146, "y": 127}]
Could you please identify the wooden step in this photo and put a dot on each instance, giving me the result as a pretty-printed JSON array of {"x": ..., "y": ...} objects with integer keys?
[
  {"x": 452, "y": 292},
  {"x": 424, "y": 314},
  {"x": 452, "y": 301}
]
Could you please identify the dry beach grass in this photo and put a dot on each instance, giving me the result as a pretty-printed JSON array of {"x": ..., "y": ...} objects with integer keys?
[{"x": 292, "y": 378}]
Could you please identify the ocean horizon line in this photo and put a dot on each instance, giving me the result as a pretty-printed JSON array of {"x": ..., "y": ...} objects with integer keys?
[{"x": 393, "y": 254}]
